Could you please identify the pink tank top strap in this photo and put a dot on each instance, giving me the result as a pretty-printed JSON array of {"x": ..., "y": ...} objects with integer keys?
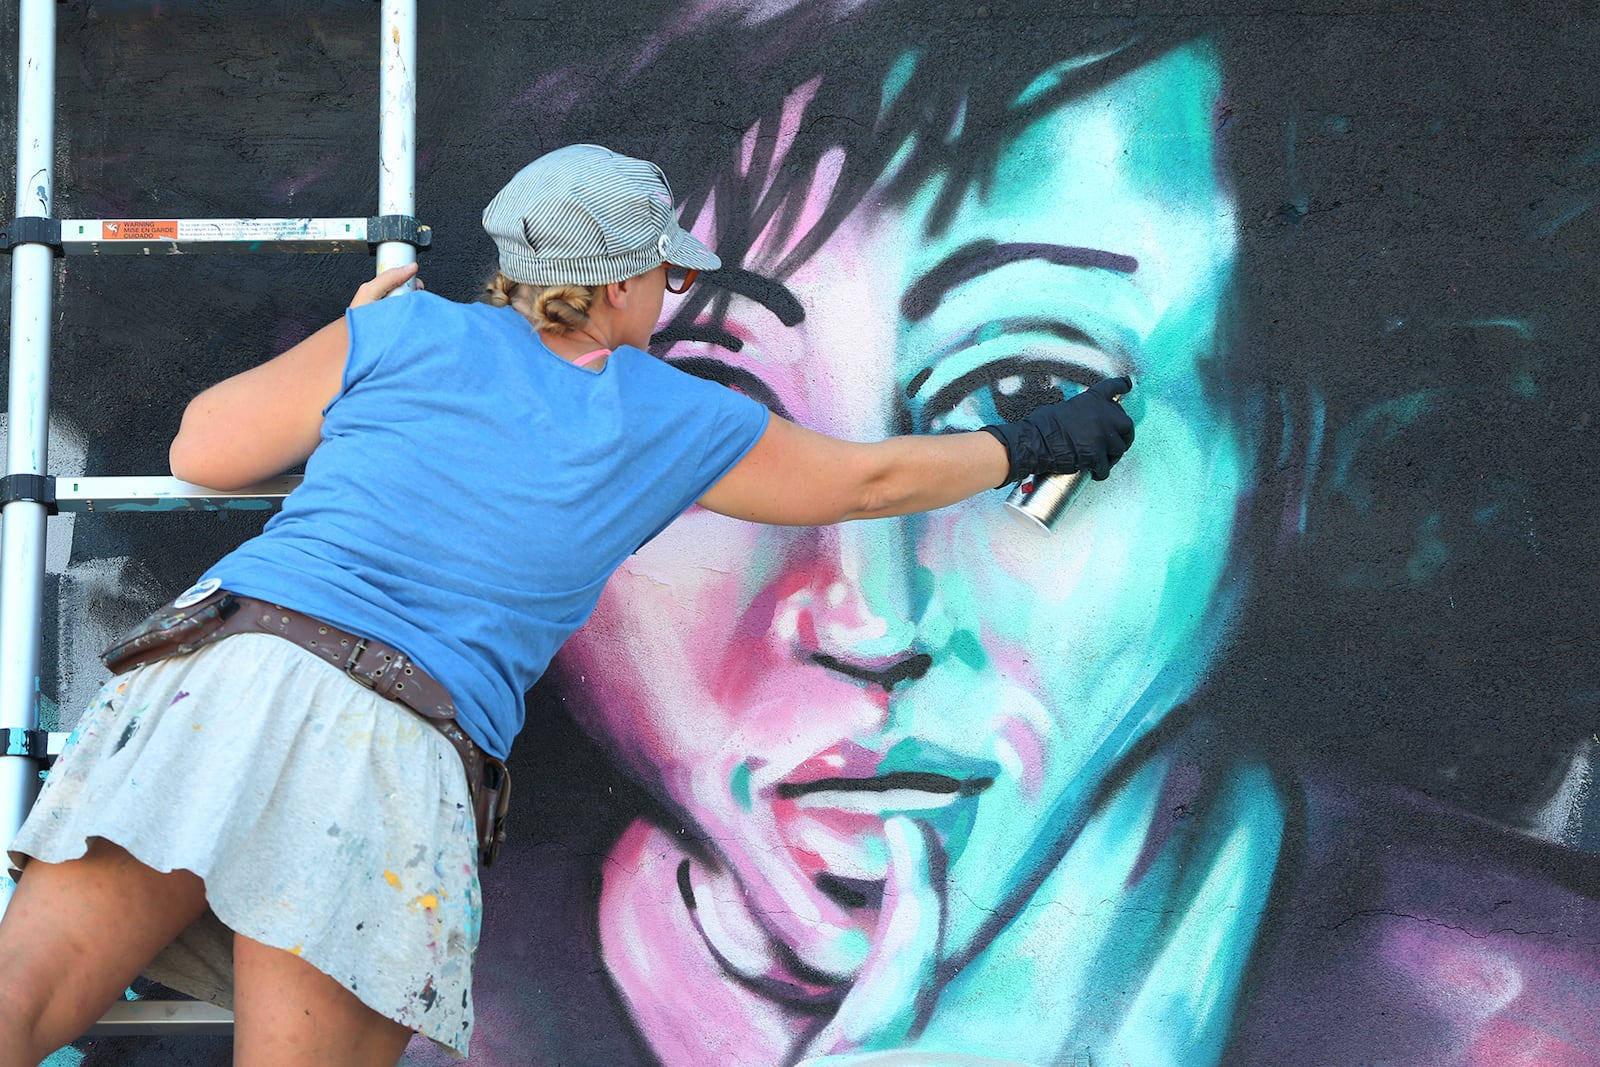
[{"x": 589, "y": 357}]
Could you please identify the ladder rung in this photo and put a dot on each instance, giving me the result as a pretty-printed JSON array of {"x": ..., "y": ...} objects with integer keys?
[
  {"x": 136, "y": 1018},
  {"x": 99, "y": 237},
  {"x": 32, "y": 744},
  {"x": 166, "y": 494}
]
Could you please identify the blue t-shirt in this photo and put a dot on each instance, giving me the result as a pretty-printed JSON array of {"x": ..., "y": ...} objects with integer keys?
[{"x": 473, "y": 491}]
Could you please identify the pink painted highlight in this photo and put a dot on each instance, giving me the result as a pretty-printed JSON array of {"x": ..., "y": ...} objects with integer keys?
[
  {"x": 1509, "y": 1001},
  {"x": 1030, "y": 752},
  {"x": 794, "y": 109}
]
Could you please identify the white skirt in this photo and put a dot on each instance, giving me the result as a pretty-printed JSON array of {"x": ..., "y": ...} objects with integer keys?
[{"x": 323, "y": 819}]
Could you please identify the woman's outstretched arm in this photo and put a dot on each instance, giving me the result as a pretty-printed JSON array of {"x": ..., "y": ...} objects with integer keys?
[{"x": 797, "y": 477}]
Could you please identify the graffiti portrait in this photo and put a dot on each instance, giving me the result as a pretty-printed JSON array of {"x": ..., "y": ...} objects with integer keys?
[
  {"x": 1277, "y": 747},
  {"x": 891, "y": 736},
  {"x": 948, "y": 785}
]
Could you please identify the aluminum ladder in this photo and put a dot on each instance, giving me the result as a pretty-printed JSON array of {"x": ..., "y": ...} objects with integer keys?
[{"x": 28, "y": 493}]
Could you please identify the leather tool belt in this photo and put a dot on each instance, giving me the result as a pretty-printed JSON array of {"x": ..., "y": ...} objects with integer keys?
[{"x": 178, "y": 630}]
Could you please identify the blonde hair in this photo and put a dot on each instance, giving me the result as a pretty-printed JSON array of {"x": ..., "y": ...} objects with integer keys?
[{"x": 557, "y": 308}]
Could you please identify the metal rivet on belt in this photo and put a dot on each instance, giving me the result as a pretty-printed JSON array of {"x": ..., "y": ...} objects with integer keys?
[
  {"x": 322, "y": 629},
  {"x": 408, "y": 670}
]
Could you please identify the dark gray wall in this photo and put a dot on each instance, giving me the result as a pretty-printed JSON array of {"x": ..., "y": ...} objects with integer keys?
[{"x": 1370, "y": 706}]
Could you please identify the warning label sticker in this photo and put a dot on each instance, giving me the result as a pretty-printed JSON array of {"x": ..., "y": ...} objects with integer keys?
[{"x": 139, "y": 230}]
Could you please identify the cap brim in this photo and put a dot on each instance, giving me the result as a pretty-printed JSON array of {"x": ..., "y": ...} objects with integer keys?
[{"x": 683, "y": 250}]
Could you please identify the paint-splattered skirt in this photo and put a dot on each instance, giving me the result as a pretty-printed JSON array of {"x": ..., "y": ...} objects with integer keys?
[{"x": 323, "y": 819}]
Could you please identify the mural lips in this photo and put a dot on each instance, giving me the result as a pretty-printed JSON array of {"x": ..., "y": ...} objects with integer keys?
[{"x": 830, "y": 812}]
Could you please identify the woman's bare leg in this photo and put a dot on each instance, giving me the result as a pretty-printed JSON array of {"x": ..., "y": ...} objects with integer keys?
[
  {"x": 287, "y": 1013},
  {"x": 74, "y": 936}
]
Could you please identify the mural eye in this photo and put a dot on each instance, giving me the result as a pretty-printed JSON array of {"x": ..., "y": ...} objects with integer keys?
[{"x": 1002, "y": 391}]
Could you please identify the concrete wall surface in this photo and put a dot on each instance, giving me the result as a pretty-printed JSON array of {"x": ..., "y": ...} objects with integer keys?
[{"x": 1278, "y": 749}]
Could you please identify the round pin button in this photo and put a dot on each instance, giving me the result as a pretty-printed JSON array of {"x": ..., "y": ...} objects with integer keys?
[{"x": 197, "y": 592}]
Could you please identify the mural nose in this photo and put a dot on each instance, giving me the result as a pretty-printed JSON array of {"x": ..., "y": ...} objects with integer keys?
[
  {"x": 906, "y": 669},
  {"x": 851, "y": 610}
]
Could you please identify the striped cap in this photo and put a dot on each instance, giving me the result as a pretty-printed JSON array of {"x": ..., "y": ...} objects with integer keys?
[{"x": 584, "y": 215}]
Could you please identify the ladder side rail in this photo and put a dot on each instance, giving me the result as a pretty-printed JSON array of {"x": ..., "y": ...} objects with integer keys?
[
  {"x": 397, "y": 126},
  {"x": 22, "y": 530}
]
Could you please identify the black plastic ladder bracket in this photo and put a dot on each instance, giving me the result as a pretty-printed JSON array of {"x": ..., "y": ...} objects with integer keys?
[
  {"x": 35, "y": 488},
  {"x": 34, "y": 744},
  {"x": 31, "y": 230},
  {"x": 406, "y": 228}
]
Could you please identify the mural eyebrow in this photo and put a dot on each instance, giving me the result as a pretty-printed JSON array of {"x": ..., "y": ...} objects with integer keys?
[
  {"x": 691, "y": 331},
  {"x": 768, "y": 292},
  {"x": 980, "y": 257}
]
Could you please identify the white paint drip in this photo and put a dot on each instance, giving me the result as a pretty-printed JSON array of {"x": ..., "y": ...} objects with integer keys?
[{"x": 1563, "y": 818}]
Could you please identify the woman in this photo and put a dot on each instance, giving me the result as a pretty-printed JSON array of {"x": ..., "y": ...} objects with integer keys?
[{"x": 308, "y": 841}]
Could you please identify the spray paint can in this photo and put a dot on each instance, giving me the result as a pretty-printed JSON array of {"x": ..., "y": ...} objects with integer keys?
[{"x": 1043, "y": 498}]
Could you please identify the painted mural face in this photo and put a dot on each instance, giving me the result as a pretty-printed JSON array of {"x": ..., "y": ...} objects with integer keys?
[{"x": 788, "y": 690}]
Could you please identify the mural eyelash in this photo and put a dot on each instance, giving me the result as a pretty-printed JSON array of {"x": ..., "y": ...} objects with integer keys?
[{"x": 1014, "y": 386}]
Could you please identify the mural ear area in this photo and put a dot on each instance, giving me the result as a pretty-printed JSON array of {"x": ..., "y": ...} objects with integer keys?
[
  {"x": 1401, "y": 466},
  {"x": 1434, "y": 544}
]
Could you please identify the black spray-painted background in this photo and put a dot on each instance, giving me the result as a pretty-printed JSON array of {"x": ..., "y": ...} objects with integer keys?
[{"x": 1414, "y": 189}]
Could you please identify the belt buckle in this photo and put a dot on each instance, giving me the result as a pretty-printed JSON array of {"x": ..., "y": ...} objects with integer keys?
[{"x": 353, "y": 659}]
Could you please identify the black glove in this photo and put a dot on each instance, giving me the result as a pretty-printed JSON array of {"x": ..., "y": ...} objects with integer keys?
[{"x": 1089, "y": 432}]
